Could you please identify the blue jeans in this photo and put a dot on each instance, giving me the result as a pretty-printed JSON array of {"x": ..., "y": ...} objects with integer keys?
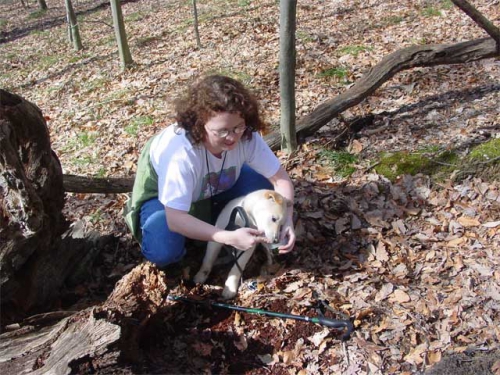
[{"x": 162, "y": 246}]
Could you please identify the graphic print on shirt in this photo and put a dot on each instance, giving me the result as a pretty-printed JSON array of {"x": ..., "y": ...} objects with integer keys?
[{"x": 212, "y": 179}]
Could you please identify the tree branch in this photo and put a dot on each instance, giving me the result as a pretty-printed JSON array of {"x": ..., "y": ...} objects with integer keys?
[
  {"x": 481, "y": 20},
  {"x": 406, "y": 58}
]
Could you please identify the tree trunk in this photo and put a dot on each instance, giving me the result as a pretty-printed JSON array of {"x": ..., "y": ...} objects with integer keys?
[
  {"x": 31, "y": 200},
  {"x": 92, "y": 339},
  {"x": 42, "y": 4},
  {"x": 196, "y": 28},
  {"x": 288, "y": 10},
  {"x": 74, "y": 29},
  {"x": 121, "y": 36}
]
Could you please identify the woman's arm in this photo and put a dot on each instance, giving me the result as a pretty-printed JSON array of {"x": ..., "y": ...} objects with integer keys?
[
  {"x": 196, "y": 229},
  {"x": 283, "y": 185}
]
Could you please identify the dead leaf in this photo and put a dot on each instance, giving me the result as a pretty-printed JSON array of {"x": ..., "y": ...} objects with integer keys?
[
  {"x": 356, "y": 147},
  {"x": 491, "y": 224},
  {"x": 381, "y": 253},
  {"x": 434, "y": 357},
  {"x": 384, "y": 292},
  {"x": 400, "y": 296},
  {"x": 318, "y": 337},
  {"x": 468, "y": 222}
]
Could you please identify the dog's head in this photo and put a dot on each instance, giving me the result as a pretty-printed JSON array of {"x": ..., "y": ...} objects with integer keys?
[{"x": 268, "y": 210}]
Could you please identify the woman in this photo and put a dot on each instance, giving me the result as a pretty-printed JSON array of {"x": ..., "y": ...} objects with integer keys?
[{"x": 190, "y": 170}]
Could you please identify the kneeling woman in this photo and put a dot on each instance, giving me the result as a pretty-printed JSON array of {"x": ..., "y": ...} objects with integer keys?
[{"x": 191, "y": 169}]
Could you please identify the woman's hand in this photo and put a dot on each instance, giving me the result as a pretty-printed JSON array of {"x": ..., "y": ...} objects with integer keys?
[{"x": 245, "y": 238}]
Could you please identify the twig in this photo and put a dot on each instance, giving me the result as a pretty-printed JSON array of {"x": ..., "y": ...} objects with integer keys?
[
  {"x": 372, "y": 166},
  {"x": 487, "y": 161},
  {"x": 346, "y": 353}
]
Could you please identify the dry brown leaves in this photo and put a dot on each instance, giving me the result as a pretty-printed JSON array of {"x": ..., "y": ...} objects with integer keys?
[{"x": 413, "y": 263}]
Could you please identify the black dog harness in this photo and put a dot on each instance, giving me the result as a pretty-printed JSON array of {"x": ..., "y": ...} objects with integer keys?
[{"x": 231, "y": 225}]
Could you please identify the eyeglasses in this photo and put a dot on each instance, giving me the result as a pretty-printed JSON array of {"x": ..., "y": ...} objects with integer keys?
[{"x": 224, "y": 133}]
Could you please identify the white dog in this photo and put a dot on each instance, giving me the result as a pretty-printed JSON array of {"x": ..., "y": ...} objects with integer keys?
[{"x": 266, "y": 211}]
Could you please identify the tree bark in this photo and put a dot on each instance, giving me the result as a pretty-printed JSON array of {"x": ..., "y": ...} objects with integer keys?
[
  {"x": 196, "y": 28},
  {"x": 73, "y": 27},
  {"x": 121, "y": 36},
  {"x": 81, "y": 184},
  {"x": 42, "y": 4},
  {"x": 288, "y": 11},
  {"x": 31, "y": 201},
  {"x": 92, "y": 339}
]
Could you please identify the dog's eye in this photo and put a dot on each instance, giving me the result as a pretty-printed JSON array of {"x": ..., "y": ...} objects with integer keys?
[{"x": 274, "y": 219}]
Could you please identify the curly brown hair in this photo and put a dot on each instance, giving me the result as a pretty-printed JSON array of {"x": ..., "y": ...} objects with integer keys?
[{"x": 215, "y": 94}]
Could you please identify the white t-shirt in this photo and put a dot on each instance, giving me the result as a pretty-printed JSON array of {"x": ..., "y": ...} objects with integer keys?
[{"x": 188, "y": 173}]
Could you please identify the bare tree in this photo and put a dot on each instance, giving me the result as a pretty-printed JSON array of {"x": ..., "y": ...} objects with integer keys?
[
  {"x": 73, "y": 28},
  {"x": 288, "y": 11},
  {"x": 121, "y": 36},
  {"x": 196, "y": 30}
]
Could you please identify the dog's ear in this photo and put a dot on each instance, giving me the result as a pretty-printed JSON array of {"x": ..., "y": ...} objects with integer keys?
[{"x": 275, "y": 197}]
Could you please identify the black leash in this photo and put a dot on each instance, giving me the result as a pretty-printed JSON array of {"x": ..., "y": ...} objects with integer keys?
[{"x": 231, "y": 225}]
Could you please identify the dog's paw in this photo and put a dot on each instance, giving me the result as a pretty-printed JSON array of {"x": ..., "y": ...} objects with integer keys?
[
  {"x": 228, "y": 293},
  {"x": 231, "y": 288},
  {"x": 201, "y": 276}
]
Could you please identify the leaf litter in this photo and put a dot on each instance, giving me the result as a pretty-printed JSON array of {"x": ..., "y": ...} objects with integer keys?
[{"x": 413, "y": 262}]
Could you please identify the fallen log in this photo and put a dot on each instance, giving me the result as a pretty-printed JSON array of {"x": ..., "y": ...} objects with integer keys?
[
  {"x": 80, "y": 184},
  {"x": 403, "y": 59}
]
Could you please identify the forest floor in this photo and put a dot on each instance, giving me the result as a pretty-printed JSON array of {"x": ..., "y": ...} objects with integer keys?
[{"x": 413, "y": 260}]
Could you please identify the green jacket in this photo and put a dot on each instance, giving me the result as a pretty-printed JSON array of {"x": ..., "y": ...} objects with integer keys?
[{"x": 146, "y": 188}]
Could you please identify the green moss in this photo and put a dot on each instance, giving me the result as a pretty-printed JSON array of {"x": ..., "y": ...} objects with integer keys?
[
  {"x": 430, "y": 12},
  {"x": 37, "y": 14},
  {"x": 86, "y": 139},
  {"x": 337, "y": 73},
  {"x": 76, "y": 58},
  {"x": 83, "y": 161},
  {"x": 447, "y": 4},
  {"x": 304, "y": 36},
  {"x": 427, "y": 161},
  {"x": 354, "y": 50},
  {"x": 137, "y": 123},
  {"x": 392, "y": 20},
  {"x": 341, "y": 162},
  {"x": 486, "y": 151},
  {"x": 46, "y": 62},
  {"x": 101, "y": 173},
  {"x": 134, "y": 17}
]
